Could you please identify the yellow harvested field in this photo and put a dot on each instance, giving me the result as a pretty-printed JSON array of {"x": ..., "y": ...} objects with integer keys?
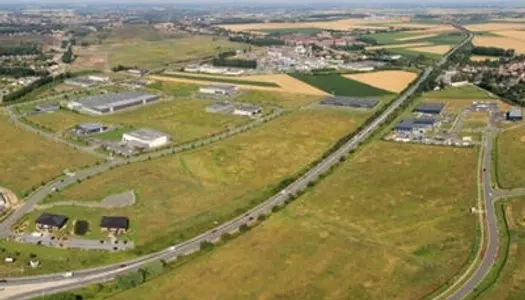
[
  {"x": 286, "y": 83},
  {"x": 330, "y": 25},
  {"x": 482, "y": 58},
  {"x": 513, "y": 34},
  {"x": 393, "y": 81},
  {"x": 440, "y": 49},
  {"x": 398, "y": 46},
  {"x": 501, "y": 42},
  {"x": 495, "y": 26},
  {"x": 428, "y": 33}
]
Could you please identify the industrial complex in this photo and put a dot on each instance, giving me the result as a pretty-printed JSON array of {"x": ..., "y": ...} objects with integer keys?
[{"x": 109, "y": 103}]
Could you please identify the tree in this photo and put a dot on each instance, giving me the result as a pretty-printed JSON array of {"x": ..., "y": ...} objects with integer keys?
[{"x": 130, "y": 280}]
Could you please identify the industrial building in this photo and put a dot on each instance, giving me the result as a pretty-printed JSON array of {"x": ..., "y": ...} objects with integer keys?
[
  {"x": 514, "y": 114},
  {"x": 409, "y": 125},
  {"x": 224, "y": 90},
  {"x": 247, "y": 110},
  {"x": 221, "y": 107},
  {"x": 89, "y": 128},
  {"x": 146, "y": 138},
  {"x": 86, "y": 81},
  {"x": 430, "y": 108},
  {"x": 46, "y": 107},
  {"x": 109, "y": 103},
  {"x": 114, "y": 225},
  {"x": 350, "y": 102}
]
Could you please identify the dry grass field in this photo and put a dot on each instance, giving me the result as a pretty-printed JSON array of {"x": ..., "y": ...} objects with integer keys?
[
  {"x": 393, "y": 81},
  {"x": 183, "y": 119},
  {"x": 346, "y": 24},
  {"x": 439, "y": 49},
  {"x": 181, "y": 195},
  {"x": 503, "y": 42},
  {"x": 27, "y": 160},
  {"x": 382, "y": 226},
  {"x": 407, "y": 45},
  {"x": 287, "y": 100},
  {"x": 495, "y": 26},
  {"x": 511, "y": 158},
  {"x": 428, "y": 33},
  {"x": 285, "y": 82}
]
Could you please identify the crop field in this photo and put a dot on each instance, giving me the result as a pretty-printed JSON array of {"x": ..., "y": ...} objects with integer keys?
[
  {"x": 275, "y": 82},
  {"x": 392, "y": 81},
  {"x": 306, "y": 30},
  {"x": 443, "y": 34},
  {"x": 439, "y": 49},
  {"x": 511, "y": 158},
  {"x": 502, "y": 42},
  {"x": 380, "y": 227},
  {"x": 183, "y": 119},
  {"x": 496, "y": 26},
  {"x": 511, "y": 282},
  {"x": 27, "y": 160},
  {"x": 402, "y": 45},
  {"x": 340, "y": 86},
  {"x": 181, "y": 195}
]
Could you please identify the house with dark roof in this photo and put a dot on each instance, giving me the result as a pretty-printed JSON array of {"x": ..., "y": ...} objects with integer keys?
[
  {"x": 114, "y": 224},
  {"x": 50, "y": 222}
]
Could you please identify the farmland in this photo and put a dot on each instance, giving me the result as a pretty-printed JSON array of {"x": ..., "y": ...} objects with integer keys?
[
  {"x": 183, "y": 119},
  {"x": 401, "y": 241},
  {"x": 392, "y": 81},
  {"x": 27, "y": 160},
  {"x": 340, "y": 86},
  {"x": 286, "y": 100},
  {"x": 439, "y": 49},
  {"x": 510, "y": 158},
  {"x": 181, "y": 195},
  {"x": 503, "y": 42}
]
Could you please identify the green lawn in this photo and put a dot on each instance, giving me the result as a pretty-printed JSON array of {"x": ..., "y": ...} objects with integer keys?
[
  {"x": 469, "y": 92},
  {"x": 222, "y": 80},
  {"x": 181, "y": 195},
  {"x": 336, "y": 84},
  {"x": 392, "y": 223}
]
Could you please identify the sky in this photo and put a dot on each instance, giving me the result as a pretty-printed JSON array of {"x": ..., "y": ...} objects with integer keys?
[{"x": 247, "y": 2}]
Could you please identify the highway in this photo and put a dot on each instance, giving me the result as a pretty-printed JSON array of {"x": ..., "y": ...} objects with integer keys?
[{"x": 52, "y": 283}]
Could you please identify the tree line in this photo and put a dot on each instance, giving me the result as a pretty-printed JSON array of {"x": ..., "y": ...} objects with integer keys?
[
  {"x": 18, "y": 94},
  {"x": 256, "y": 41},
  {"x": 223, "y": 60},
  {"x": 493, "y": 51},
  {"x": 16, "y": 72},
  {"x": 20, "y": 49}
]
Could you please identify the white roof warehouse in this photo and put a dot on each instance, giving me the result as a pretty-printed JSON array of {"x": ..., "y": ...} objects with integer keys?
[
  {"x": 108, "y": 103},
  {"x": 146, "y": 138}
]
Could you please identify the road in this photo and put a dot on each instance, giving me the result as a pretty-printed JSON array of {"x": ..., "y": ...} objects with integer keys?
[{"x": 105, "y": 273}]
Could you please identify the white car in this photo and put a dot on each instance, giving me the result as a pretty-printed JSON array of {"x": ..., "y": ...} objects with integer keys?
[
  {"x": 172, "y": 248},
  {"x": 67, "y": 275}
]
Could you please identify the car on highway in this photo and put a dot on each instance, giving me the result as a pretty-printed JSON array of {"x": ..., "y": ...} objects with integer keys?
[
  {"x": 172, "y": 248},
  {"x": 67, "y": 275},
  {"x": 3, "y": 281}
]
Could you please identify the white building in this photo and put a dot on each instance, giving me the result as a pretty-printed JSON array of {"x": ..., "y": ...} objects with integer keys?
[
  {"x": 146, "y": 138},
  {"x": 218, "y": 90},
  {"x": 247, "y": 110}
]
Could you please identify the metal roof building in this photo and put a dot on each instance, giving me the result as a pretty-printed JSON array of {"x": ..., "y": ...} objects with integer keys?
[
  {"x": 220, "y": 107},
  {"x": 411, "y": 124},
  {"x": 430, "y": 108},
  {"x": 515, "y": 114},
  {"x": 146, "y": 137},
  {"x": 108, "y": 103},
  {"x": 350, "y": 102},
  {"x": 85, "y": 128},
  {"x": 218, "y": 89}
]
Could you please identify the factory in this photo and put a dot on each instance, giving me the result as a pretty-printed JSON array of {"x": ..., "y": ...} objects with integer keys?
[
  {"x": 224, "y": 90},
  {"x": 514, "y": 114},
  {"x": 109, "y": 103},
  {"x": 86, "y": 81},
  {"x": 89, "y": 128},
  {"x": 46, "y": 107},
  {"x": 247, "y": 110},
  {"x": 145, "y": 138},
  {"x": 410, "y": 125},
  {"x": 429, "y": 108},
  {"x": 350, "y": 102}
]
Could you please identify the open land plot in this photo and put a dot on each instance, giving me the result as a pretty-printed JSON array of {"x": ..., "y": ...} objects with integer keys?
[
  {"x": 392, "y": 81},
  {"x": 469, "y": 92},
  {"x": 286, "y": 100},
  {"x": 181, "y": 195},
  {"x": 439, "y": 49},
  {"x": 340, "y": 86},
  {"x": 380, "y": 227},
  {"x": 305, "y": 30},
  {"x": 182, "y": 119},
  {"x": 495, "y": 26},
  {"x": 275, "y": 82},
  {"x": 513, "y": 34},
  {"x": 476, "y": 120},
  {"x": 27, "y": 159},
  {"x": 511, "y": 282},
  {"x": 510, "y": 158},
  {"x": 502, "y": 42}
]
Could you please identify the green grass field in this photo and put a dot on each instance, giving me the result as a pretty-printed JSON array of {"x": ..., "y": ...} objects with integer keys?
[
  {"x": 393, "y": 223},
  {"x": 511, "y": 282},
  {"x": 222, "y": 80},
  {"x": 469, "y": 92},
  {"x": 183, "y": 119},
  {"x": 511, "y": 158},
  {"x": 286, "y": 100},
  {"x": 179, "y": 196},
  {"x": 334, "y": 83},
  {"x": 391, "y": 38},
  {"x": 27, "y": 160}
]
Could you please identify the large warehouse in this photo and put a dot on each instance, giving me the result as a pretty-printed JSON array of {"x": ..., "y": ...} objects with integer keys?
[
  {"x": 109, "y": 103},
  {"x": 146, "y": 138},
  {"x": 226, "y": 90}
]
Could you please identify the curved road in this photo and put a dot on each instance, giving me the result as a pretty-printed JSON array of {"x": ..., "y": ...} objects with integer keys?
[{"x": 27, "y": 287}]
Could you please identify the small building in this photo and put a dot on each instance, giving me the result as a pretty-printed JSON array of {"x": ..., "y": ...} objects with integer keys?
[
  {"x": 247, "y": 110},
  {"x": 410, "y": 125},
  {"x": 146, "y": 138},
  {"x": 115, "y": 225},
  {"x": 90, "y": 128},
  {"x": 9, "y": 260},
  {"x": 430, "y": 108},
  {"x": 46, "y": 107},
  {"x": 224, "y": 90},
  {"x": 514, "y": 114},
  {"x": 50, "y": 222},
  {"x": 220, "y": 107}
]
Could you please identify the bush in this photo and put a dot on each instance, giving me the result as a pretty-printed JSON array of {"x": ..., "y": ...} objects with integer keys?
[
  {"x": 130, "y": 280},
  {"x": 205, "y": 245},
  {"x": 154, "y": 269},
  {"x": 261, "y": 217},
  {"x": 243, "y": 228}
]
